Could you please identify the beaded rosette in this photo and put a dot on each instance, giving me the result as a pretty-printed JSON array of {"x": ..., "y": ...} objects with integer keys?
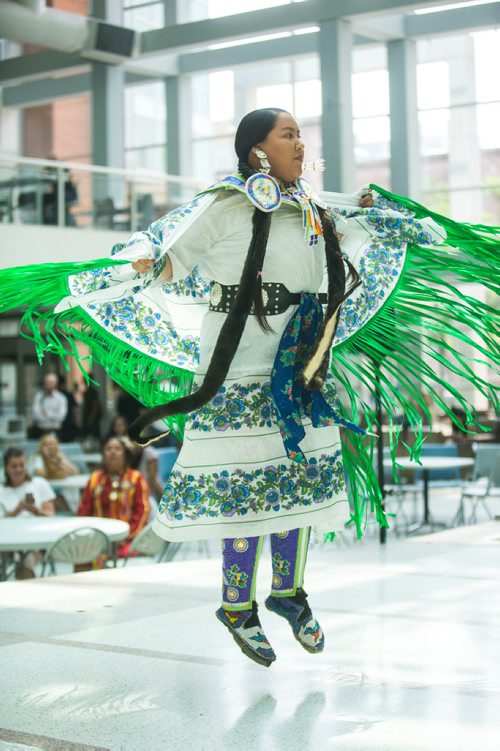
[{"x": 263, "y": 191}]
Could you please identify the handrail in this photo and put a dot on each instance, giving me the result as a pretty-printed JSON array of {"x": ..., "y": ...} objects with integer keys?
[{"x": 130, "y": 174}]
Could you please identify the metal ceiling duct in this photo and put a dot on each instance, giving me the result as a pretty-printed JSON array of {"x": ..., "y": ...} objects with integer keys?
[{"x": 31, "y": 22}]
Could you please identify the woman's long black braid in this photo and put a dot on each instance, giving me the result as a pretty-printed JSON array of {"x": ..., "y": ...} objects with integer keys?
[
  {"x": 340, "y": 286},
  {"x": 249, "y": 293}
]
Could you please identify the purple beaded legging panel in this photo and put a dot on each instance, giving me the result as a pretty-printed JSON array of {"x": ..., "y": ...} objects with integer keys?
[{"x": 240, "y": 560}]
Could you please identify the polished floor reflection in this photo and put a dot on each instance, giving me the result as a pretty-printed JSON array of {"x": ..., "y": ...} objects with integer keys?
[{"x": 134, "y": 659}]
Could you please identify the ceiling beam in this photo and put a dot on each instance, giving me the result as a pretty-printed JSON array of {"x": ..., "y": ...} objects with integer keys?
[
  {"x": 33, "y": 93},
  {"x": 454, "y": 21},
  {"x": 385, "y": 29},
  {"x": 41, "y": 65},
  {"x": 265, "y": 21},
  {"x": 248, "y": 53},
  {"x": 38, "y": 65}
]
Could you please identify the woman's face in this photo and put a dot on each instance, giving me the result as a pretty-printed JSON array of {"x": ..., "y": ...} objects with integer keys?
[
  {"x": 114, "y": 456},
  {"x": 50, "y": 446},
  {"x": 16, "y": 470},
  {"x": 284, "y": 148}
]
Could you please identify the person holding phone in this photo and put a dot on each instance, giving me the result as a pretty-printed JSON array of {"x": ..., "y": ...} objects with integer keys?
[{"x": 22, "y": 495}]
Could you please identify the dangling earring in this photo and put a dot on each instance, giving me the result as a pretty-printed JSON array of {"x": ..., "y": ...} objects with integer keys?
[
  {"x": 317, "y": 166},
  {"x": 265, "y": 167}
]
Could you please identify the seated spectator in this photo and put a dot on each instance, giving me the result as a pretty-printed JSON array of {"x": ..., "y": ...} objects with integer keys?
[
  {"x": 143, "y": 458},
  {"x": 51, "y": 463},
  {"x": 50, "y": 408},
  {"x": 117, "y": 492},
  {"x": 21, "y": 495}
]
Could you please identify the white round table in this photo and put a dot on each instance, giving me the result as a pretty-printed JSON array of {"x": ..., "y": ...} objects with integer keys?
[
  {"x": 427, "y": 464},
  {"x": 20, "y": 535}
]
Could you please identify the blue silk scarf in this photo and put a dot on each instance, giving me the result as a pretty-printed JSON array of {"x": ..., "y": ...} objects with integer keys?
[{"x": 292, "y": 401}]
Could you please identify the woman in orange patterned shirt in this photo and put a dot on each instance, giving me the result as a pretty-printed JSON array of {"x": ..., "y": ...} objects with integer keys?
[{"x": 117, "y": 492}]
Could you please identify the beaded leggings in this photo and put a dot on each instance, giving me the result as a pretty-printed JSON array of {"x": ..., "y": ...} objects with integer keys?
[{"x": 240, "y": 560}]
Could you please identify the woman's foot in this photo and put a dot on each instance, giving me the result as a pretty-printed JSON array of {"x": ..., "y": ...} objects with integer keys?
[
  {"x": 297, "y": 612},
  {"x": 247, "y": 632}
]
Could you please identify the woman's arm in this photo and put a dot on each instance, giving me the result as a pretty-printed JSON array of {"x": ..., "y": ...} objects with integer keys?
[{"x": 68, "y": 467}]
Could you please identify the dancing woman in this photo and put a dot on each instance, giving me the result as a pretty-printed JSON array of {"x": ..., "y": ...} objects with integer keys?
[{"x": 213, "y": 317}]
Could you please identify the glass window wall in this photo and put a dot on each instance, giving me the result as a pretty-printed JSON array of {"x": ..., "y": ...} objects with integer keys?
[
  {"x": 145, "y": 126},
  {"x": 143, "y": 15},
  {"x": 459, "y": 112},
  {"x": 220, "y": 99},
  {"x": 370, "y": 107}
]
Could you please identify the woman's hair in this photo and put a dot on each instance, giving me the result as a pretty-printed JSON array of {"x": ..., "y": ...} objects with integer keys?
[
  {"x": 253, "y": 129},
  {"x": 12, "y": 453},
  {"x": 43, "y": 440}
]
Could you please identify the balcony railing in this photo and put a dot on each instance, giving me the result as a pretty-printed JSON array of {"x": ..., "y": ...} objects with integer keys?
[{"x": 66, "y": 194}]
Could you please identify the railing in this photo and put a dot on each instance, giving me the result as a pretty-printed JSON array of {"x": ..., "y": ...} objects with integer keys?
[{"x": 69, "y": 194}]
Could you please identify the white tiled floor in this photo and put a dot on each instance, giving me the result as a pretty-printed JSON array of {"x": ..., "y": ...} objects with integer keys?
[{"x": 134, "y": 659}]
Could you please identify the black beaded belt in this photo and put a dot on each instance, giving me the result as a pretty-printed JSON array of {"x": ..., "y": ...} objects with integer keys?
[{"x": 276, "y": 297}]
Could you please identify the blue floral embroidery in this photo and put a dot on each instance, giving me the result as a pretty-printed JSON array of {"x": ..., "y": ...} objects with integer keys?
[
  {"x": 274, "y": 488},
  {"x": 245, "y": 406},
  {"x": 138, "y": 323},
  {"x": 380, "y": 266},
  {"x": 91, "y": 281}
]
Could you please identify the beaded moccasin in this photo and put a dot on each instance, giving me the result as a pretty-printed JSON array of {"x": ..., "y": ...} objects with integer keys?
[{"x": 247, "y": 632}]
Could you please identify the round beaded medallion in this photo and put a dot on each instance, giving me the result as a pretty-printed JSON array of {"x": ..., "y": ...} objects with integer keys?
[{"x": 263, "y": 191}]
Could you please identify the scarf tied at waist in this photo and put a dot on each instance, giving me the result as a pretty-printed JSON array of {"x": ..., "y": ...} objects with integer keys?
[{"x": 292, "y": 401}]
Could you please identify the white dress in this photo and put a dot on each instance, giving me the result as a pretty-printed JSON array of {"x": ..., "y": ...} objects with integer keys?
[{"x": 233, "y": 476}]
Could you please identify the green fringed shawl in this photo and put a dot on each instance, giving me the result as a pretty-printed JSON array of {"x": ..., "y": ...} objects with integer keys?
[
  {"x": 425, "y": 314},
  {"x": 44, "y": 286},
  {"x": 399, "y": 354}
]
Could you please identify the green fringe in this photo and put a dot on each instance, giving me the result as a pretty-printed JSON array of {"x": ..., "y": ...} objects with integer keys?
[
  {"x": 45, "y": 285},
  {"x": 425, "y": 313}
]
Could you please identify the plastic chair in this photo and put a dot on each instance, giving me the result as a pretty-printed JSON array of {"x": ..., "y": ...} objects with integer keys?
[
  {"x": 395, "y": 497},
  {"x": 485, "y": 457},
  {"x": 481, "y": 487},
  {"x": 147, "y": 543},
  {"x": 167, "y": 457},
  {"x": 82, "y": 545}
]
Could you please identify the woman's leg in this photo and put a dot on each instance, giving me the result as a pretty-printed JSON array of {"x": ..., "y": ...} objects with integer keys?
[
  {"x": 240, "y": 559},
  {"x": 287, "y": 598},
  {"x": 289, "y": 554}
]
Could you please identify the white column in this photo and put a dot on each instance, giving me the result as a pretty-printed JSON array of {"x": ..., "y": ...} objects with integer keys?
[
  {"x": 405, "y": 151},
  {"x": 335, "y": 50},
  {"x": 464, "y": 152}
]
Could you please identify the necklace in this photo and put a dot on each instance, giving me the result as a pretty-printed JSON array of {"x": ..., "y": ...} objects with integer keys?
[{"x": 116, "y": 488}]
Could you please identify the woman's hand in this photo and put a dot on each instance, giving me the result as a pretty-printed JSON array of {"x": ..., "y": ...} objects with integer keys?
[
  {"x": 366, "y": 201},
  {"x": 143, "y": 265}
]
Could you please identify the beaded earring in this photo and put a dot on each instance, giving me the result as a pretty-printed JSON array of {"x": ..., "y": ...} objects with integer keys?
[
  {"x": 317, "y": 166},
  {"x": 265, "y": 167}
]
